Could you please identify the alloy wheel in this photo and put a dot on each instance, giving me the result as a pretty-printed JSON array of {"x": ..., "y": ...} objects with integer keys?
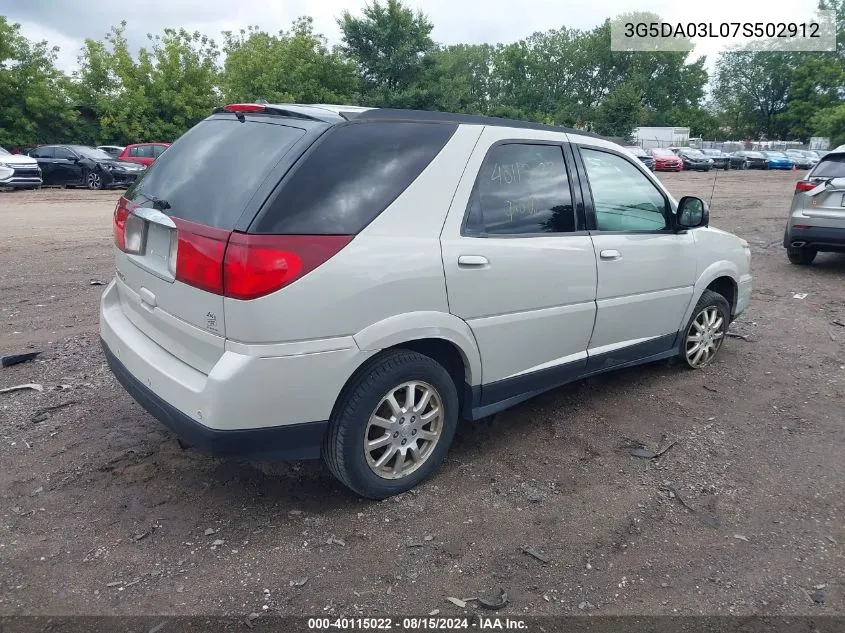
[
  {"x": 403, "y": 430},
  {"x": 704, "y": 337},
  {"x": 94, "y": 181}
]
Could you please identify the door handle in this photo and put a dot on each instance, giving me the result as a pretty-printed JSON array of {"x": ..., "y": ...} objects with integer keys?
[
  {"x": 472, "y": 261},
  {"x": 610, "y": 254}
]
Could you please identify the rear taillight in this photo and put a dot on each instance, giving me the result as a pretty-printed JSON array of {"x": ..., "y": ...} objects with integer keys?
[
  {"x": 122, "y": 213},
  {"x": 256, "y": 265},
  {"x": 804, "y": 185},
  {"x": 245, "y": 266},
  {"x": 199, "y": 255}
]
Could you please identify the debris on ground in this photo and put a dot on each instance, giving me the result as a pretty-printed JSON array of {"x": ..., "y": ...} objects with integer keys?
[
  {"x": 299, "y": 582},
  {"x": 434, "y": 612},
  {"x": 412, "y": 542},
  {"x": 208, "y": 531},
  {"x": 29, "y": 385},
  {"x": 838, "y": 322},
  {"x": 586, "y": 606},
  {"x": 494, "y": 603},
  {"x": 44, "y": 412},
  {"x": 535, "y": 553},
  {"x": 800, "y": 295},
  {"x": 15, "y": 359},
  {"x": 702, "y": 514},
  {"x": 97, "y": 282},
  {"x": 333, "y": 540},
  {"x": 710, "y": 389},
  {"x": 736, "y": 335},
  {"x": 647, "y": 453},
  {"x": 817, "y": 595},
  {"x": 741, "y": 537},
  {"x": 457, "y": 602}
]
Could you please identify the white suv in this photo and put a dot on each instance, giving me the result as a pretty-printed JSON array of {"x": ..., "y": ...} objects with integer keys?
[{"x": 298, "y": 282}]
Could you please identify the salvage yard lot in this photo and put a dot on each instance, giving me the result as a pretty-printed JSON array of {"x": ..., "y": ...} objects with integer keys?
[{"x": 103, "y": 513}]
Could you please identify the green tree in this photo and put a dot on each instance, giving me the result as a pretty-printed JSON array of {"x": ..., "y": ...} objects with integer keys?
[
  {"x": 294, "y": 66},
  {"x": 35, "y": 105},
  {"x": 620, "y": 112},
  {"x": 752, "y": 89},
  {"x": 169, "y": 87},
  {"x": 830, "y": 122},
  {"x": 388, "y": 43}
]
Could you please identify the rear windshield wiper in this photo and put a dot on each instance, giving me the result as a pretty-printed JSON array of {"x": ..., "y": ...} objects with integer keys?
[{"x": 159, "y": 204}]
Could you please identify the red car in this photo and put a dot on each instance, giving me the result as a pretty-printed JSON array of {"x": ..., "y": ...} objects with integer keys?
[
  {"x": 666, "y": 160},
  {"x": 143, "y": 153}
]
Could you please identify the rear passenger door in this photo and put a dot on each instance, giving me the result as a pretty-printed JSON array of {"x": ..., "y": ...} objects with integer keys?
[
  {"x": 646, "y": 269},
  {"x": 519, "y": 268}
]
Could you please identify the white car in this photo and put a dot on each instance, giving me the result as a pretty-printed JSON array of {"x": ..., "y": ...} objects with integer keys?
[
  {"x": 18, "y": 171},
  {"x": 300, "y": 282}
]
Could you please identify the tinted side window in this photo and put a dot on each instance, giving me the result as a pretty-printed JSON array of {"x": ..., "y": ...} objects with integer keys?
[
  {"x": 42, "y": 152},
  {"x": 63, "y": 152},
  {"x": 521, "y": 189},
  {"x": 624, "y": 198},
  {"x": 145, "y": 151},
  {"x": 133, "y": 152},
  {"x": 354, "y": 173},
  {"x": 158, "y": 149}
]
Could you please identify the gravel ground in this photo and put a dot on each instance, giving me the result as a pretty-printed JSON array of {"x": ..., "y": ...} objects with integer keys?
[{"x": 103, "y": 513}]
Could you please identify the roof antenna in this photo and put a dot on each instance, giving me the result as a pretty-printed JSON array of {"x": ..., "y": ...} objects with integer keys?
[{"x": 713, "y": 190}]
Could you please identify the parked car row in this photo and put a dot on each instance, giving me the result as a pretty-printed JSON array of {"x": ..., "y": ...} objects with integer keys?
[
  {"x": 688, "y": 158},
  {"x": 77, "y": 165}
]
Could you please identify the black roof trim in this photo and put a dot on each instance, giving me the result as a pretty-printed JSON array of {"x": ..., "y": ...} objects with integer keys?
[{"x": 388, "y": 114}]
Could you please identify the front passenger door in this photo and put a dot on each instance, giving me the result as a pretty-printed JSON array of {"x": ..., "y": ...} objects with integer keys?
[{"x": 646, "y": 270}]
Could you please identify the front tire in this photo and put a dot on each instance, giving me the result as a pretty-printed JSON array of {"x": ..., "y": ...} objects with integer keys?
[
  {"x": 392, "y": 426},
  {"x": 94, "y": 180},
  {"x": 706, "y": 330},
  {"x": 801, "y": 255}
]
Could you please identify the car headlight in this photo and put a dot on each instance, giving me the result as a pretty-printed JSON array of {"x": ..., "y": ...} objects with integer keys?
[{"x": 107, "y": 166}]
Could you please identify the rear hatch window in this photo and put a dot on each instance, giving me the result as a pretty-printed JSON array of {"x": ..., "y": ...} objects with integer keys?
[
  {"x": 174, "y": 226},
  {"x": 831, "y": 166},
  {"x": 209, "y": 175}
]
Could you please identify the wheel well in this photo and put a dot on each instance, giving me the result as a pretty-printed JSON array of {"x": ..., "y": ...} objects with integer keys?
[
  {"x": 726, "y": 287},
  {"x": 445, "y": 353}
]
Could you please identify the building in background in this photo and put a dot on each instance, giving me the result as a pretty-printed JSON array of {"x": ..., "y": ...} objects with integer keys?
[{"x": 651, "y": 137}]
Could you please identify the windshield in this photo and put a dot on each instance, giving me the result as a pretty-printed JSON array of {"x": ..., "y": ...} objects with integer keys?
[
  {"x": 637, "y": 151},
  {"x": 775, "y": 154},
  {"x": 4, "y": 152},
  {"x": 90, "y": 152},
  {"x": 692, "y": 153},
  {"x": 754, "y": 155},
  {"x": 662, "y": 152},
  {"x": 712, "y": 152}
]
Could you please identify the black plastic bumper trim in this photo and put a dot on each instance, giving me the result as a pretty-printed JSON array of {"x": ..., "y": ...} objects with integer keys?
[{"x": 289, "y": 442}]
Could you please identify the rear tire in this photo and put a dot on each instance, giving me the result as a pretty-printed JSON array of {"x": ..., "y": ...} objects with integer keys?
[
  {"x": 801, "y": 255},
  {"x": 369, "y": 410}
]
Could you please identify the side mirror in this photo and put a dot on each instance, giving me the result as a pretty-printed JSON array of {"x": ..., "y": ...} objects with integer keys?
[{"x": 692, "y": 213}]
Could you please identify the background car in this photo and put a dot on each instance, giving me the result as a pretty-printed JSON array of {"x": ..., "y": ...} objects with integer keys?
[
  {"x": 643, "y": 155},
  {"x": 143, "y": 153},
  {"x": 18, "y": 171},
  {"x": 721, "y": 160},
  {"x": 693, "y": 159},
  {"x": 744, "y": 159},
  {"x": 78, "y": 165},
  {"x": 803, "y": 159},
  {"x": 817, "y": 217},
  {"x": 778, "y": 160},
  {"x": 666, "y": 160},
  {"x": 112, "y": 150}
]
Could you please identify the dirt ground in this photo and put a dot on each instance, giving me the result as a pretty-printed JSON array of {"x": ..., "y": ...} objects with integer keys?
[{"x": 101, "y": 512}]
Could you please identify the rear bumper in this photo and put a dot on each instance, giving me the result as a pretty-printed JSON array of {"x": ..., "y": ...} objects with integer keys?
[
  {"x": 820, "y": 237},
  {"x": 258, "y": 401},
  {"x": 289, "y": 442}
]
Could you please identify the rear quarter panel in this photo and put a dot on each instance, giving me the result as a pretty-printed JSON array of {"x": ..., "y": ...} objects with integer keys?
[{"x": 392, "y": 268}]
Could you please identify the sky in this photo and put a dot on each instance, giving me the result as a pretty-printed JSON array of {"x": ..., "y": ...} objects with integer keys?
[{"x": 66, "y": 23}]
